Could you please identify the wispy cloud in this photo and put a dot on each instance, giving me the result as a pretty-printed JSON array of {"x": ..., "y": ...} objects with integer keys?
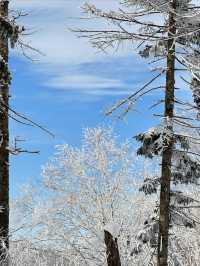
[
  {"x": 50, "y": 20},
  {"x": 83, "y": 82}
]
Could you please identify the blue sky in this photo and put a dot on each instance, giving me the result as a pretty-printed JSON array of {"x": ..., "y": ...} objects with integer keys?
[{"x": 70, "y": 87}]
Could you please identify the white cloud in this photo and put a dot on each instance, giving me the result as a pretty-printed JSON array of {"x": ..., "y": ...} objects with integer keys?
[
  {"x": 83, "y": 82},
  {"x": 50, "y": 19}
]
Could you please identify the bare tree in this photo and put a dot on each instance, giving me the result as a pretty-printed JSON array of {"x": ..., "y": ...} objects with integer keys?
[{"x": 89, "y": 212}]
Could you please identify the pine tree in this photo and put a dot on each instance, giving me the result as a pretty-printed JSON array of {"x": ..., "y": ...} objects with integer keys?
[
  {"x": 166, "y": 173},
  {"x": 162, "y": 30}
]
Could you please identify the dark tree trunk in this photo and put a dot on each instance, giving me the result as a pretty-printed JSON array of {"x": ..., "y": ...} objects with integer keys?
[
  {"x": 4, "y": 134},
  {"x": 112, "y": 251},
  {"x": 164, "y": 218}
]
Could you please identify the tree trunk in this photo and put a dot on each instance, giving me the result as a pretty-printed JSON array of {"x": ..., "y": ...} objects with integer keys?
[
  {"x": 112, "y": 251},
  {"x": 164, "y": 218},
  {"x": 4, "y": 136}
]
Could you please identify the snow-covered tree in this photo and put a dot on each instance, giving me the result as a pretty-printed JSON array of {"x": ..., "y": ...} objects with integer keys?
[
  {"x": 88, "y": 200},
  {"x": 9, "y": 34},
  {"x": 168, "y": 33},
  {"x": 89, "y": 195}
]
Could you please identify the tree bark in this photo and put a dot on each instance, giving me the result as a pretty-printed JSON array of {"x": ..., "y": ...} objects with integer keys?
[
  {"x": 164, "y": 215},
  {"x": 112, "y": 251},
  {"x": 4, "y": 136}
]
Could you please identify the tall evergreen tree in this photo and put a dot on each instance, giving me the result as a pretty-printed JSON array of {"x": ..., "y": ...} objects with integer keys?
[
  {"x": 163, "y": 30},
  {"x": 166, "y": 173}
]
